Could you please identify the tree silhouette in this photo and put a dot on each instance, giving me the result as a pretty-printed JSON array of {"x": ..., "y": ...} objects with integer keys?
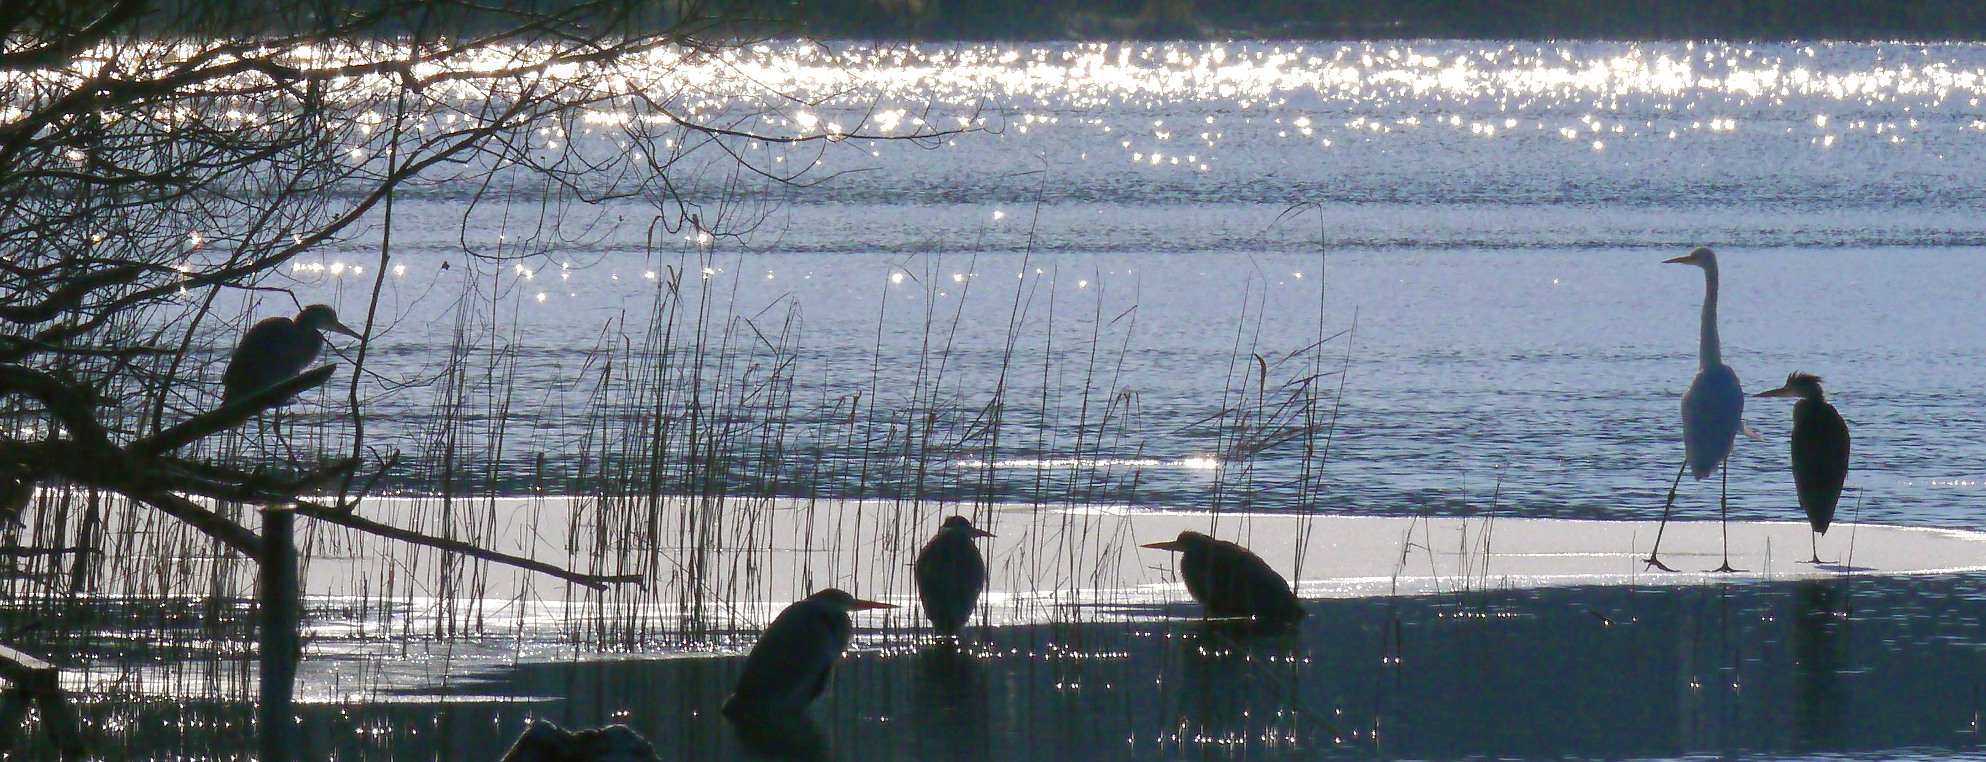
[{"x": 155, "y": 154}]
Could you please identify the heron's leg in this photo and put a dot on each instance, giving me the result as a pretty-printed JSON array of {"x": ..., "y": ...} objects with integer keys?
[
  {"x": 1724, "y": 515},
  {"x": 1815, "y": 537},
  {"x": 289, "y": 449},
  {"x": 1651, "y": 560}
]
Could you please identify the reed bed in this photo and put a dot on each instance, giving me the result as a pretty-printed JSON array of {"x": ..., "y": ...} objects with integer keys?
[{"x": 697, "y": 445}]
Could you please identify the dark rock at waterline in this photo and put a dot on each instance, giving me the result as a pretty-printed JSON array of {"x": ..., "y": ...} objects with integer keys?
[{"x": 546, "y": 742}]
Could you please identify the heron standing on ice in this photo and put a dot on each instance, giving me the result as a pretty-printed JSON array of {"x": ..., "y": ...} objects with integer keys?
[
  {"x": 1713, "y": 412},
  {"x": 1230, "y": 581},
  {"x": 1820, "y": 451},
  {"x": 789, "y": 666},
  {"x": 951, "y": 574},
  {"x": 277, "y": 349}
]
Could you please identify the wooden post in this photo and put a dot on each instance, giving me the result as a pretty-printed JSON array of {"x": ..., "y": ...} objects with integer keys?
[
  {"x": 37, "y": 681},
  {"x": 278, "y": 618}
]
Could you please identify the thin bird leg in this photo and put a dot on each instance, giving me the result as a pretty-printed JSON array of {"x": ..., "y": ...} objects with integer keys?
[
  {"x": 1815, "y": 537},
  {"x": 282, "y": 440},
  {"x": 1651, "y": 560},
  {"x": 1724, "y": 513}
]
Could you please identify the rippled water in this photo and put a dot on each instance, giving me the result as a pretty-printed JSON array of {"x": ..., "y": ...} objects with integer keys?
[
  {"x": 1862, "y": 668},
  {"x": 1490, "y": 217}
]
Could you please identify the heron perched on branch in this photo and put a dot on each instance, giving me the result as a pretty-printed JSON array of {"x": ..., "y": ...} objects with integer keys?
[
  {"x": 1713, "y": 411},
  {"x": 277, "y": 349},
  {"x": 951, "y": 574},
  {"x": 789, "y": 666},
  {"x": 1230, "y": 581},
  {"x": 1820, "y": 451}
]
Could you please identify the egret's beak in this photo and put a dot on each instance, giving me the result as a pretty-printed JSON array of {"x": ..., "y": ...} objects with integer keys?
[
  {"x": 1784, "y": 391},
  {"x": 977, "y": 532},
  {"x": 862, "y": 605},
  {"x": 1172, "y": 545},
  {"x": 337, "y": 327},
  {"x": 1685, "y": 259}
]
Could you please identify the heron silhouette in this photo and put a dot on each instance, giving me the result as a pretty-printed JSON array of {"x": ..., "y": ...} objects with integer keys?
[
  {"x": 1230, "y": 581},
  {"x": 1713, "y": 413},
  {"x": 1820, "y": 451},
  {"x": 276, "y": 349},
  {"x": 951, "y": 574},
  {"x": 789, "y": 666}
]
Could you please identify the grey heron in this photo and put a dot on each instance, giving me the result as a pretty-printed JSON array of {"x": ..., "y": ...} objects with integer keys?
[
  {"x": 950, "y": 574},
  {"x": 1713, "y": 411},
  {"x": 1230, "y": 581},
  {"x": 789, "y": 666},
  {"x": 1820, "y": 451},
  {"x": 277, "y": 349}
]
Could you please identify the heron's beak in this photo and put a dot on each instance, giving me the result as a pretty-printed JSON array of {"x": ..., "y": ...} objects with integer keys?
[
  {"x": 1682, "y": 260},
  {"x": 338, "y": 327},
  {"x": 1784, "y": 391},
  {"x": 977, "y": 532},
  {"x": 1172, "y": 545},
  {"x": 862, "y": 605}
]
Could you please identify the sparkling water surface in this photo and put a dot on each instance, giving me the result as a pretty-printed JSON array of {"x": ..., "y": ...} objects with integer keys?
[{"x": 1488, "y": 220}]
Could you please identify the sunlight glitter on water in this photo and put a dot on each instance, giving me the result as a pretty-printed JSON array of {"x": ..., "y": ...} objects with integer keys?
[
  {"x": 1434, "y": 186},
  {"x": 903, "y": 89}
]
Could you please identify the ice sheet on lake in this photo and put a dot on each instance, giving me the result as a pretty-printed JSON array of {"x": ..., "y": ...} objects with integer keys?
[
  {"x": 388, "y": 617},
  {"x": 735, "y": 563}
]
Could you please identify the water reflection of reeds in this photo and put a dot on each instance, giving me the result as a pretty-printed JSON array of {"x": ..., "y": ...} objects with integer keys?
[{"x": 1753, "y": 670}]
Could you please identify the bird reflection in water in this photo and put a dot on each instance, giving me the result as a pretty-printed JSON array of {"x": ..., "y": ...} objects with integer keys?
[
  {"x": 951, "y": 709},
  {"x": 780, "y": 734},
  {"x": 1239, "y": 686},
  {"x": 1820, "y": 648}
]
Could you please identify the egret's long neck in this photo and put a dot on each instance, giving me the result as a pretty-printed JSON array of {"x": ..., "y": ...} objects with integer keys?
[{"x": 1710, "y": 354}]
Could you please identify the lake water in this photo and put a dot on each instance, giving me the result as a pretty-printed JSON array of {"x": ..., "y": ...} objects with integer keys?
[
  {"x": 1386, "y": 278},
  {"x": 1490, "y": 219},
  {"x": 1818, "y": 669}
]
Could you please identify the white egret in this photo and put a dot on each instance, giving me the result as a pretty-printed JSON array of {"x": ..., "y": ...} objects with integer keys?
[{"x": 1713, "y": 411}]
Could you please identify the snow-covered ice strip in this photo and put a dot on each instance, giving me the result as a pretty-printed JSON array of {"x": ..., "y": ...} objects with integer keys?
[{"x": 737, "y": 561}]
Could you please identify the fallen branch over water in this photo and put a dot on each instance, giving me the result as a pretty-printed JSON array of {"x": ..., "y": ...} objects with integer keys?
[{"x": 353, "y": 521}]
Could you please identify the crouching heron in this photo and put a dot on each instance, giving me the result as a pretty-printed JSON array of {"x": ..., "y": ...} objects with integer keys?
[
  {"x": 789, "y": 666},
  {"x": 1230, "y": 581},
  {"x": 277, "y": 349},
  {"x": 951, "y": 574}
]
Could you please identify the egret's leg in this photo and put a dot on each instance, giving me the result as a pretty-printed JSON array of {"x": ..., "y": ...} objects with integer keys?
[
  {"x": 1724, "y": 516},
  {"x": 1651, "y": 560}
]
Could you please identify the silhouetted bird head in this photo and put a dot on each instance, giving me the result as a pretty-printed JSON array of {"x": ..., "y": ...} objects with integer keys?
[
  {"x": 1701, "y": 257},
  {"x": 960, "y": 525},
  {"x": 320, "y": 317},
  {"x": 1187, "y": 540},
  {"x": 835, "y": 599},
  {"x": 1799, "y": 384}
]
